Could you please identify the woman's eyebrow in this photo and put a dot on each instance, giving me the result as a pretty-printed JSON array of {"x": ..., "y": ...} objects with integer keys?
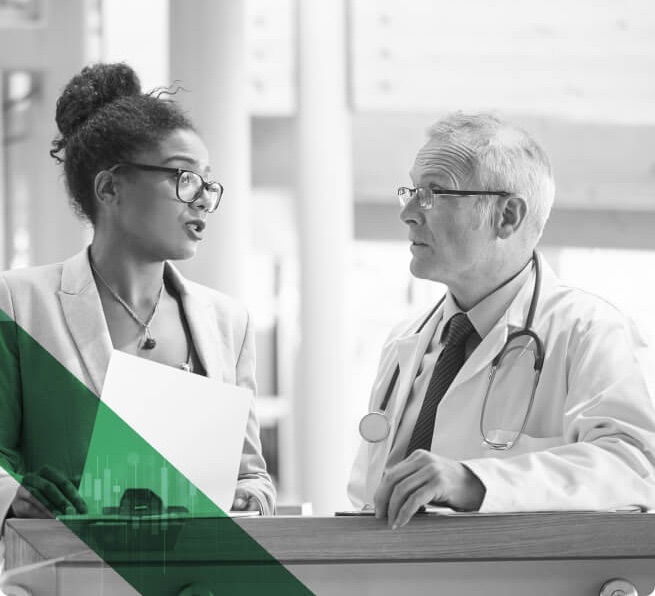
[
  {"x": 189, "y": 160},
  {"x": 192, "y": 164}
]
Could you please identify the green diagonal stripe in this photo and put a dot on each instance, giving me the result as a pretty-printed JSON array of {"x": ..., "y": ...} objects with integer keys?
[{"x": 48, "y": 417}]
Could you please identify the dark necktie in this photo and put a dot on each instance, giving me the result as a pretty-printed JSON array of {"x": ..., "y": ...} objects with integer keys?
[{"x": 445, "y": 370}]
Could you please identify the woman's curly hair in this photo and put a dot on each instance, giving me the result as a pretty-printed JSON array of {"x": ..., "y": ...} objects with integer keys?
[{"x": 104, "y": 118}]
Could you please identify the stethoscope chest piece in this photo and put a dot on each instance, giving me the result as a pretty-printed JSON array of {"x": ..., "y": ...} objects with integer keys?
[{"x": 374, "y": 427}]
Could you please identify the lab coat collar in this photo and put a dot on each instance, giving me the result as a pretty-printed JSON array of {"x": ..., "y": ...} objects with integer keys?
[
  {"x": 513, "y": 320},
  {"x": 490, "y": 309}
]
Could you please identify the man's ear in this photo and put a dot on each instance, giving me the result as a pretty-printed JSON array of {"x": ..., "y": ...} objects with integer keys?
[
  {"x": 104, "y": 187},
  {"x": 512, "y": 212}
]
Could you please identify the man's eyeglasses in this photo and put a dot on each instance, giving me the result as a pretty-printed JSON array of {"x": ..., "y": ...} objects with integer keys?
[
  {"x": 428, "y": 196},
  {"x": 189, "y": 184}
]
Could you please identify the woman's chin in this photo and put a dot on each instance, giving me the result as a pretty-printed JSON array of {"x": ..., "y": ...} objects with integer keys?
[
  {"x": 186, "y": 252},
  {"x": 179, "y": 252}
]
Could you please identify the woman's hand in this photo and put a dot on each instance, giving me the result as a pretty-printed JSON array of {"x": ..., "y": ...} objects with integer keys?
[
  {"x": 244, "y": 501},
  {"x": 47, "y": 493}
]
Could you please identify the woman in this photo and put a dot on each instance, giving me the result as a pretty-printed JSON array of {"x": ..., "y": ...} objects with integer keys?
[{"x": 139, "y": 173}]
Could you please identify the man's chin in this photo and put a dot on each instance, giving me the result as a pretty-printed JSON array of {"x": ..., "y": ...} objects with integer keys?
[
  {"x": 422, "y": 269},
  {"x": 418, "y": 268}
]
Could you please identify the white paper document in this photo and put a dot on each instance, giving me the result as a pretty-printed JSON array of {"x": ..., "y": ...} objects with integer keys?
[{"x": 196, "y": 423}]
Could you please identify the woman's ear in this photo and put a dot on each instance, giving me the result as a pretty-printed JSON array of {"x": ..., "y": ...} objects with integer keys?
[
  {"x": 513, "y": 211},
  {"x": 104, "y": 187}
]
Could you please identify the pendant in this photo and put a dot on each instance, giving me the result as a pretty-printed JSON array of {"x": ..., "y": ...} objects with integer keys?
[{"x": 148, "y": 344}]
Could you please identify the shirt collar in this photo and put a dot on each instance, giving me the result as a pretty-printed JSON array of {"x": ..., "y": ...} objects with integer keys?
[{"x": 486, "y": 313}]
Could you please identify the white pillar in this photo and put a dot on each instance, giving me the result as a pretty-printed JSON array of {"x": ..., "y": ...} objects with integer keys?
[
  {"x": 207, "y": 57},
  {"x": 325, "y": 213},
  {"x": 3, "y": 188},
  {"x": 55, "y": 232}
]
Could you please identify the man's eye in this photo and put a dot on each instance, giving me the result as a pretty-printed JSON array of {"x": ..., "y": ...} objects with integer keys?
[{"x": 185, "y": 178}]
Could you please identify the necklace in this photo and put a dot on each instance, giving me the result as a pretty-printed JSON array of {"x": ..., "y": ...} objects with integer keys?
[{"x": 148, "y": 342}]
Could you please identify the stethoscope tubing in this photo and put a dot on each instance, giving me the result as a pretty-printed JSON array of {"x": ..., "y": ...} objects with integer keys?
[{"x": 375, "y": 426}]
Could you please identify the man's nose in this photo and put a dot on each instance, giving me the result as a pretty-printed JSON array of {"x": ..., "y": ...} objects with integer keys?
[{"x": 411, "y": 212}]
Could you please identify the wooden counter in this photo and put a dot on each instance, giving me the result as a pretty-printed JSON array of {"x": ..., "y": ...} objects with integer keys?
[{"x": 546, "y": 553}]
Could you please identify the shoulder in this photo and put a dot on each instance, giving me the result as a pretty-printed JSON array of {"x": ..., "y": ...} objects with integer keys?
[
  {"x": 416, "y": 319},
  {"x": 578, "y": 305},
  {"x": 226, "y": 308},
  {"x": 32, "y": 280},
  {"x": 577, "y": 313}
]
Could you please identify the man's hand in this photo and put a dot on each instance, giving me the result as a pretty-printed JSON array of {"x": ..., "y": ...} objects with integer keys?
[
  {"x": 244, "y": 501},
  {"x": 47, "y": 493},
  {"x": 423, "y": 478}
]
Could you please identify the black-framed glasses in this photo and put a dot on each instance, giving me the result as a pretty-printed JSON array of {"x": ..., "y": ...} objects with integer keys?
[
  {"x": 189, "y": 185},
  {"x": 428, "y": 196}
]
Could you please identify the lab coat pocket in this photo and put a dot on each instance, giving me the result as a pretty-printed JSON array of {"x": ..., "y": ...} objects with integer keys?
[{"x": 519, "y": 444}]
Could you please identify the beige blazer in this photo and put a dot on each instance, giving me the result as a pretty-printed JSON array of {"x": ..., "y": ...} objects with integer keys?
[{"x": 59, "y": 309}]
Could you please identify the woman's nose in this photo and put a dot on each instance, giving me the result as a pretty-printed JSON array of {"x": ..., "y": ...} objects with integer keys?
[{"x": 203, "y": 199}]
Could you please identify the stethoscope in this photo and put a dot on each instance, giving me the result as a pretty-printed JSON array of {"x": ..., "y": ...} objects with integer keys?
[{"x": 376, "y": 426}]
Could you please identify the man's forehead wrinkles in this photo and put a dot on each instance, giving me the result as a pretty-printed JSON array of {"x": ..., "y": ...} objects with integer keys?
[{"x": 454, "y": 159}]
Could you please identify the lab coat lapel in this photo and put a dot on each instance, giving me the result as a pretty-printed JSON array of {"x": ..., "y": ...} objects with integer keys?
[
  {"x": 202, "y": 324},
  {"x": 410, "y": 351},
  {"x": 82, "y": 309}
]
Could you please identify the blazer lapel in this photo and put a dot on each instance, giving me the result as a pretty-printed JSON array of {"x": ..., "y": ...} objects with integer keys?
[
  {"x": 84, "y": 317},
  {"x": 202, "y": 324}
]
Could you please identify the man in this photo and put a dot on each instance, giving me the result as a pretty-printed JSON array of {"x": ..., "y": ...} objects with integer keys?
[{"x": 584, "y": 438}]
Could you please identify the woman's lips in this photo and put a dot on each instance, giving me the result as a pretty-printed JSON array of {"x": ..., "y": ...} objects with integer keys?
[{"x": 195, "y": 228}]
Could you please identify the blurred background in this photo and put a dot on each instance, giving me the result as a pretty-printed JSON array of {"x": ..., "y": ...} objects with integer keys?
[{"x": 313, "y": 111}]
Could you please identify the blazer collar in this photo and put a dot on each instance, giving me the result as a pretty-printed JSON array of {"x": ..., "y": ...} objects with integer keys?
[
  {"x": 84, "y": 316},
  {"x": 202, "y": 322}
]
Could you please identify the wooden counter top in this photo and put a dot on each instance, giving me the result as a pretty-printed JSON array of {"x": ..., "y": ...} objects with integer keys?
[{"x": 303, "y": 540}]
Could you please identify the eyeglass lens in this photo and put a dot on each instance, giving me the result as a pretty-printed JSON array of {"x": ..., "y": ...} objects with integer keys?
[
  {"x": 190, "y": 185},
  {"x": 424, "y": 195}
]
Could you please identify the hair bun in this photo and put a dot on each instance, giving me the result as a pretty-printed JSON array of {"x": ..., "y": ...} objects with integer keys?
[{"x": 88, "y": 91}]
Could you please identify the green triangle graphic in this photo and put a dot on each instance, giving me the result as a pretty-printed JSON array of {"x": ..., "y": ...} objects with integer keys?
[{"x": 48, "y": 417}]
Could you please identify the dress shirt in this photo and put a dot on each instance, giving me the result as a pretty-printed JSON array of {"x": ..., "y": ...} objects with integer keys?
[{"x": 484, "y": 315}]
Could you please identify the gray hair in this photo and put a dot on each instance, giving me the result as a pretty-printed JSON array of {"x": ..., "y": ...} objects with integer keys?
[{"x": 506, "y": 158}]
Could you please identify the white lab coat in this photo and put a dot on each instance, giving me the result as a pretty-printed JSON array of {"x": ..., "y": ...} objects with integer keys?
[{"x": 590, "y": 438}]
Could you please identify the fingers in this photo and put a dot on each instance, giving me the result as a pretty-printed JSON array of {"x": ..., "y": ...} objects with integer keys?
[
  {"x": 66, "y": 487},
  {"x": 25, "y": 504},
  {"x": 392, "y": 478},
  {"x": 422, "y": 495},
  {"x": 406, "y": 498},
  {"x": 54, "y": 491},
  {"x": 244, "y": 501},
  {"x": 46, "y": 492},
  {"x": 253, "y": 504},
  {"x": 408, "y": 486}
]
